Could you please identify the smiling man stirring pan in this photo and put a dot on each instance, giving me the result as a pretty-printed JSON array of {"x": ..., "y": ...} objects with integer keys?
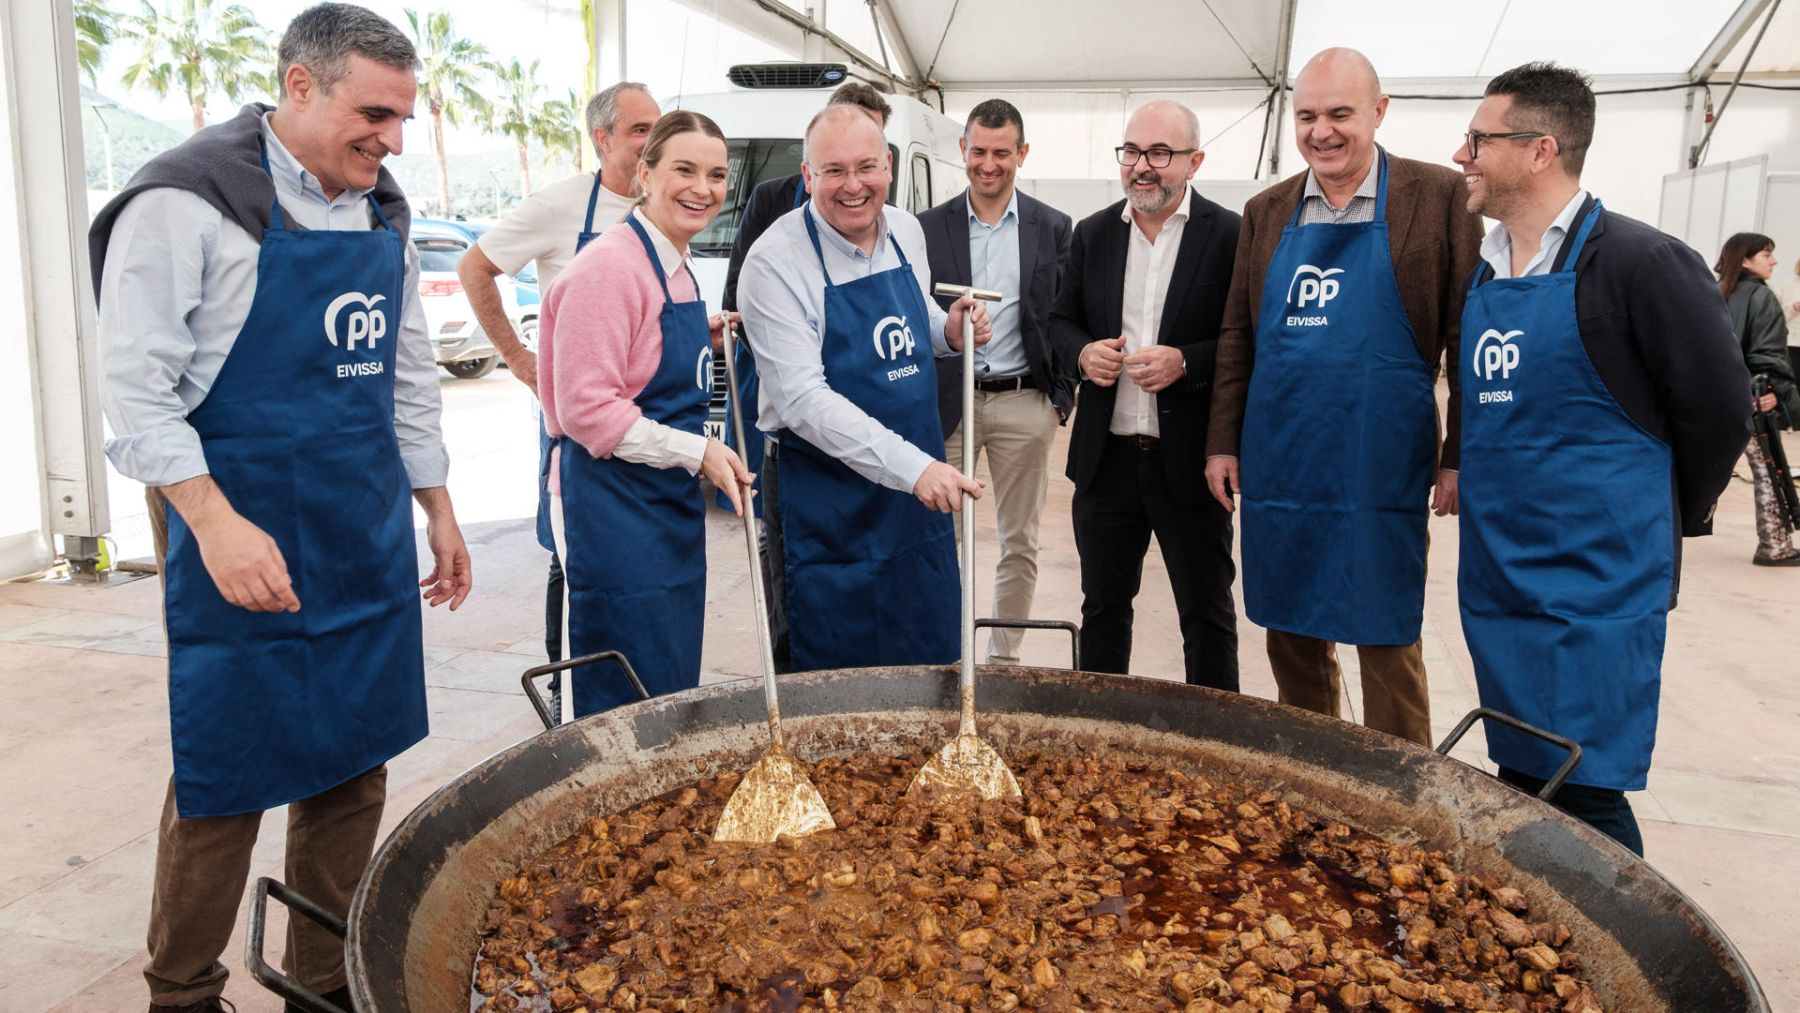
[{"x": 837, "y": 304}]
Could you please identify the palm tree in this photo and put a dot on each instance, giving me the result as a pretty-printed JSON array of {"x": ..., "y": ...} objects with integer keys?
[
  {"x": 559, "y": 128},
  {"x": 95, "y": 28},
  {"x": 516, "y": 110},
  {"x": 447, "y": 82},
  {"x": 200, "y": 47}
]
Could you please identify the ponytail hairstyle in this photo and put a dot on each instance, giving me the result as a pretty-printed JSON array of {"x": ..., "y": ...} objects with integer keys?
[
  {"x": 1738, "y": 249},
  {"x": 673, "y": 124}
]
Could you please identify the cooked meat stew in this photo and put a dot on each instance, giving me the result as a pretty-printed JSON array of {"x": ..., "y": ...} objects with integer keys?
[{"x": 1114, "y": 884}]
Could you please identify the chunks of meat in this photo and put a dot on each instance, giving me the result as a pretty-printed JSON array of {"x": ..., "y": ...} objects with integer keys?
[{"x": 1112, "y": 884}]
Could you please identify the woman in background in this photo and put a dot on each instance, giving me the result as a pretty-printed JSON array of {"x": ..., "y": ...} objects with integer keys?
[
  {"x": 625, "y": 375},
  {"x": 1744, "y": 267}
]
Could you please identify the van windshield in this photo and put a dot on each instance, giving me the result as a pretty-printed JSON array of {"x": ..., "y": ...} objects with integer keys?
[{"x": 752, "y": 161}]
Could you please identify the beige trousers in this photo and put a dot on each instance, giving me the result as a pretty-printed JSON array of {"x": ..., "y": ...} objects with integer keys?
[
  {"x": 203, "y": 865},
  {"x": 1015, "y": 429}
]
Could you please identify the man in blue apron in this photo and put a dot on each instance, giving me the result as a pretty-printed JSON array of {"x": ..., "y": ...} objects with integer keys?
[
  {"x": 836, "y": 301},
  {"x": 550, "y": 227},
  {"x": 1603, "y": 408},
  {"x": 270, "y": 378},
  {"x": 1327, "y": 359},
  {"x": 770, "y": 200}
]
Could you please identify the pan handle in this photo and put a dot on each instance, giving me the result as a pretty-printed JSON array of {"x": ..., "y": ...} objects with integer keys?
[
  {"x": 295, "y": 993},
  {"x": 542, "y": 706},
  {"x": 1562, "y": 772},
  {"x": 1073, "y": 630}
]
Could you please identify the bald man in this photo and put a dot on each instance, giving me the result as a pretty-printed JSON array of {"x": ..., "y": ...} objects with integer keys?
[
  {"x": 1345, "y": 302},
  {"x": 1138, "y": 310},
  {"x": 836, "y": 298}
]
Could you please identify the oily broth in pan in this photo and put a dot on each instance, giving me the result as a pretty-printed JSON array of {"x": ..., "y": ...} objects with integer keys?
[{"x": 1114, "y": 883}]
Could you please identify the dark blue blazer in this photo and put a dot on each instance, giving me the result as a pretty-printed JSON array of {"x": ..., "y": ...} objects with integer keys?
[{"x": 1043, "y": 250}]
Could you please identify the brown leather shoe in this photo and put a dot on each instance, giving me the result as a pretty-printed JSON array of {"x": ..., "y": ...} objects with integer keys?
[{"x": 1793, "y": 560}]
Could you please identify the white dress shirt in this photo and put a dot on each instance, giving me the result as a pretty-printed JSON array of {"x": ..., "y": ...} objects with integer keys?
[
  {"x": 1149, "y": 270},
  {"x": 177, "y": 287},
  {"x": 1496, "y": 246},
  {"x": 781, "y": 294},
  {"x": 546, "y": 224}
]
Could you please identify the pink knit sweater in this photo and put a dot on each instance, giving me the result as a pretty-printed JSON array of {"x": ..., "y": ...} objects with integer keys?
[{"x": 600, "y": 340}]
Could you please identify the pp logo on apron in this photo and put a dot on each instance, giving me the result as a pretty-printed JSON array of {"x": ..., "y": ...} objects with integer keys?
[
  {"x": 356, "y": 317},
  {"x": 893, "y": 343},
  {"x": 1495, "y": 357},
  {"x": 1315, "y": 285},
  {"x": 703, "y": 370}
]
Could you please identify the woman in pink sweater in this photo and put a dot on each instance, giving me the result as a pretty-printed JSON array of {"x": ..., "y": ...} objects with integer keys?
[{"x": 625, "y": 375}]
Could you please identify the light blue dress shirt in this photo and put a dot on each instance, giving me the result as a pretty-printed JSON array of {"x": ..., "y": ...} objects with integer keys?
[
  {"x": 177, "y": 287},
  {"x": 781, "y": 294},
  {"x": 994, "y": 265}
]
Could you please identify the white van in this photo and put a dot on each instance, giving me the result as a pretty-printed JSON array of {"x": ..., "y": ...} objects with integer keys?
[{"x": 764, "y": 118}]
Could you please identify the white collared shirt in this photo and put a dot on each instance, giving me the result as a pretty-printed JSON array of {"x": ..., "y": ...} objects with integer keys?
[
  {"x": 1149, "y": 269},
  {"x": 781, "y": 294},
  {"x": 177, "y": 287},
  {"x": 1496, "y": 246}
]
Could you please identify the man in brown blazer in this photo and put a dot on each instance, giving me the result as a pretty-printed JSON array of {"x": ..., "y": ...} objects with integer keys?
[{"x": 1323, "y": 412}]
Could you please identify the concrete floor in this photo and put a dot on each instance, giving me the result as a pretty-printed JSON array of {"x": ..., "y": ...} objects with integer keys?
[{"x": 84, "y": 753}]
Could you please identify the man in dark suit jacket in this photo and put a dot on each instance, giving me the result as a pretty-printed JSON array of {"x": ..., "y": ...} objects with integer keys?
[
  {"x": 1325, "y": 560},
  {"x": 1138, "y": 310},
  {"x": 993, "y": 237},
  {"x": 1603, "y": 410}
]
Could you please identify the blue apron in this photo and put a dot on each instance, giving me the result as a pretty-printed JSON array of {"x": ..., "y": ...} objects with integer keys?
[
  {"x": 871, "y": 572},
  {"x": 1568, "y": 562},
  {"x": 298, "y": 429},
  {"x": 1339, "y": 441},
  {"x": 544, "y": 537},
  {"x": 635, "y": 536},
  {"x": 749, "y": 390}
]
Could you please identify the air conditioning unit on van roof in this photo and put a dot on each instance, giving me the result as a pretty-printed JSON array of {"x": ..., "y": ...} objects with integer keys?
[{"x": 788, "y": 75}]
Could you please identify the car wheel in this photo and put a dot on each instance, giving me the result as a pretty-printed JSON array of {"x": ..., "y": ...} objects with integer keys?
[
  {"x": 528, "y": 334},
  {"x": 471, "y": 369}
]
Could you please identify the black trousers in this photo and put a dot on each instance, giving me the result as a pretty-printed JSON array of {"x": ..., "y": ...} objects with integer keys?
[
  {"x": 1605, "y": 809},
  {"x": 553, "y": 610},
  {"x": 1127, "y": 502},
  {"x": 769, "y": 545}
]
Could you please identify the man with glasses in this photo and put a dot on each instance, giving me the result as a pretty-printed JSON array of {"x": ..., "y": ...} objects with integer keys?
[
  {"x": 1138, "y": 310},
  {"x": 1346, "y": 297},
  {"x": 1603, "y": 408},
  {"x": 836, "y": 298}
]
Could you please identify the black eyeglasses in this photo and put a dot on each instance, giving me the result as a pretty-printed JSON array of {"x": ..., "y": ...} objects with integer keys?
[
  {"x": 1159, "y": 157},
  {"x": 1474, "y": 138}
]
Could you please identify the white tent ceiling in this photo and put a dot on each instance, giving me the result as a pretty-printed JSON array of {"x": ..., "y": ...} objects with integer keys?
[
  {"x": 1092, "y": 44},
  {"x": 1081, "y": 45}
]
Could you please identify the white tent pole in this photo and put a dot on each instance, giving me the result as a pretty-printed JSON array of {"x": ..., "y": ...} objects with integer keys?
[
  {"x": 1284, "y": 54},
  {"x": 1699, "y": 151},
  {"x": 890, "y": 25},
  {"x": 608, "y": 32},
  {"x": 1733, "y": 31},
  {"x": 59, "y": 319}
]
